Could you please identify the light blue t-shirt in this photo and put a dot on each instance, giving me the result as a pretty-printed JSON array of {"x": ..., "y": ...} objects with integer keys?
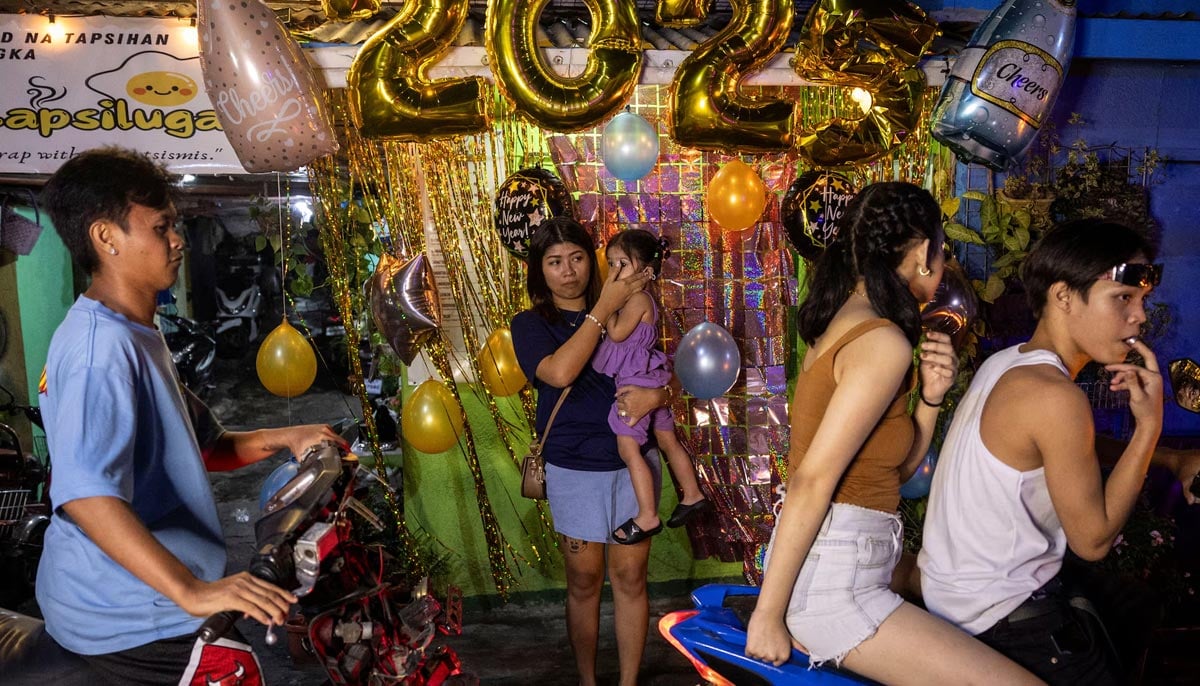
[{"x": 117, "y": 424}]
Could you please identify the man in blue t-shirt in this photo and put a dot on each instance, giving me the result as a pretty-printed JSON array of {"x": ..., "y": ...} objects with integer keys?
[{"x": 134, "y": 557}]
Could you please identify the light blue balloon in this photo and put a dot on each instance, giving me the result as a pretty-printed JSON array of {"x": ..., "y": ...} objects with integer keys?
[
  {"x": 918, "y": 484},
  {"x": 629, "y": 146},
  {"x": 707, "y": 361},
  {"x": 276, "y": 480}
]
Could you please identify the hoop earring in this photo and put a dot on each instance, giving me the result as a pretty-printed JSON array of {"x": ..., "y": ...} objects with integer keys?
[{"x": 924, "y": 271}]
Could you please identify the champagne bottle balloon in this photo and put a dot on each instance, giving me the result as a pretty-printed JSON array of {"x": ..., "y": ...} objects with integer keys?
[{"x": 1003, "y": 84}]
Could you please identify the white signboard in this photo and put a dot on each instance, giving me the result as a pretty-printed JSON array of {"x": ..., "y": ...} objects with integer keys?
[{"x": 83, "y": 82}]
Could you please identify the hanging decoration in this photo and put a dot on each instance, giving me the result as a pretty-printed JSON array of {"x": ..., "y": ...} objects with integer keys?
[
  {"x": 556, "y": 102},
  {"x": 404, "y": 304},
  {"x": 263, "y": 91},
  {"x": 707, "y": 361},
  {"x": 526, "y": 199},
  {"x": 498, "y": 366},
  {"x": 736, "y": 196},
  {"x": 871, "y": 48},
  {"x": 286, "y": 363},
  {"x": 629, "y": 146},
  {"x": 1185, "y": 380},
  {"x": 349, "y": 10},
  {"x": 810, "y": 210},
  {"x": 708, "y": 109},
  {"x": 1004, "y": 83},
  {"x": 432, "y": 418},
  {"x": 391, "y": 94}
]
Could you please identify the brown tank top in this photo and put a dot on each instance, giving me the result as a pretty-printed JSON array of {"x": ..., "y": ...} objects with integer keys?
[{"x": 873, "y": 478}]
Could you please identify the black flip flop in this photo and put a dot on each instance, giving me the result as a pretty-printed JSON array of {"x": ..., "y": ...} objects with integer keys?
[
  {"x": 633, "y": 533},
  {"x": 682, "y": 512}
]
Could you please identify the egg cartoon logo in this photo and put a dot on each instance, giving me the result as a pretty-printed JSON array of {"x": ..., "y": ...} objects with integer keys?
[
  {"x": 149, "y": 80},
  {"x": 161, "y": 88}
]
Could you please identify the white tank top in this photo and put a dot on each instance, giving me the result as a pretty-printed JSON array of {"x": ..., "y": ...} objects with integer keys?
[{"x": 991, "y": 535}]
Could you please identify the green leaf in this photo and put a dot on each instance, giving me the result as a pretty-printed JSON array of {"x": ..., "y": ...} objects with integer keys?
[
  {"x": 993, "y": 289},
  {"x": 950, "y": 206},
  {"x": 977, "y": 196},
  {"x": 1022, "y": 234},
  {"x": 961, "y": 234},
  {"x": 1012, "y": 243},
  {"x": 1004, "y": 260},
  {"x": 1023, "y": 219},
  {"x": 260, "y": 242}
]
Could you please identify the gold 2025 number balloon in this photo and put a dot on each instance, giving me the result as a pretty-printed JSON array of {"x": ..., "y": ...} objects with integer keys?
[
  {"x": 349, "y": 10},
  {"x": 391, "y": 95},
  {"x": 432, "y": 419},
  {"x": 498, "y": 364},
  {"x": 707, "y": 108},
  {"x": 889, "y": 91},
  {"x": 565, "y": 103},
  {"x": 286, "y": 363}
]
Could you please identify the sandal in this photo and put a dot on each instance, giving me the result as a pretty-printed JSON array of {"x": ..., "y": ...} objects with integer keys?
[
  {"x": 633, "y": 533},
  {"x": 682, "y": 512}
]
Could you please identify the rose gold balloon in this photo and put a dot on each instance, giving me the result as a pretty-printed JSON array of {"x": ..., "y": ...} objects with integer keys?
[
  {"x": 262, "y": 88},
  {"x": 404, "y": 304}
]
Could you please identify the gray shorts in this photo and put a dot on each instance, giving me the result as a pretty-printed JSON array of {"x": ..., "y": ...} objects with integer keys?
[
  {"x": 841, "y": 595},
  {"x": 590, "y": 505}
]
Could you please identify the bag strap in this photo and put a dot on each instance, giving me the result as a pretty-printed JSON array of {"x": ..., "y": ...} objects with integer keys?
[{"x": 553, "y": 414}]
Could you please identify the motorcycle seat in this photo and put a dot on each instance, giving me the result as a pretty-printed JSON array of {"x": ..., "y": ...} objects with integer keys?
[{"x": 30, "y": 657}]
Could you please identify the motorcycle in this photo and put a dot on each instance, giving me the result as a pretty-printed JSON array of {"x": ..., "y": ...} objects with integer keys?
[
  {"x": 24, "y": 516},
  {"x": 193, "y": 350},
  {"x": 239, "y": 304},
  {"x": 363, "y": 628},
  {"x": 713, "y": 638}
]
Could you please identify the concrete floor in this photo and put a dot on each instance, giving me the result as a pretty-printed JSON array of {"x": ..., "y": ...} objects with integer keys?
[{"x": 514, "y": 644}]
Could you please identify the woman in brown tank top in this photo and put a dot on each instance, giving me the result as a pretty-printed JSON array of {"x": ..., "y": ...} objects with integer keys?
[{"x": 837, "y": 537}]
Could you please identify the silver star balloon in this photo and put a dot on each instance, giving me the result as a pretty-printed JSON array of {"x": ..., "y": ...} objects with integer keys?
[{"x": 404, "y": 304}]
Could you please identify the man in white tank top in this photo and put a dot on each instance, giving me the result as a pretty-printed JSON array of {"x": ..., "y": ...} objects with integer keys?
[{"x": 1019, "y": 482}]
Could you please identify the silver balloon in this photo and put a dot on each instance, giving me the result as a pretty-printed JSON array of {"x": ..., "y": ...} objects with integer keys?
[
  {"x": 404, "y": 304},
  {"x": 954, "y": 307},
  {"x": 629, "y": 146},
  {"x": 1004, "y": 83},
  {"x": 1185, "y": 379},
  {"x": 707, "y": 361}
]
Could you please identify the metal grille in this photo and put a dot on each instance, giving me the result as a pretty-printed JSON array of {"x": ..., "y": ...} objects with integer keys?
[{"x": 12, "y": 505}]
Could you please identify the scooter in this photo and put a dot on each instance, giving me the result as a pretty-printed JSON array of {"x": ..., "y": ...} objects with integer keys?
[
  {"x": 193, "y": 349},
  {"x": 24, "y": 517},
  {"x": 713, "y": 638},
  {"x": 363, "y": 628},
  {"x": 239, "y": 304}
]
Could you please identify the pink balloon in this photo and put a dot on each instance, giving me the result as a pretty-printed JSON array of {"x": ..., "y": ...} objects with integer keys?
[{"x": 264, "y": 92}]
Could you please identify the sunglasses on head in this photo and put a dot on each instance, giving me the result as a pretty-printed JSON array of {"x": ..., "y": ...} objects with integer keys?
[{"x": 1136, "y": 274}]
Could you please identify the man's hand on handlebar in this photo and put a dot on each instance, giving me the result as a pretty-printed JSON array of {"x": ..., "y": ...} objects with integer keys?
[
  {"x": 300, "y": 438},
  {"x": 257, "y": 599}
]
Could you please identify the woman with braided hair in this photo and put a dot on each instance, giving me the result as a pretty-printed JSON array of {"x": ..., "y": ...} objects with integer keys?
[{"x": 837, "y": 538}]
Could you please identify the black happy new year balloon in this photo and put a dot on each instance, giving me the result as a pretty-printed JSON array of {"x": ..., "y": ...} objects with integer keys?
[
  {"x": 526, "y": 199},
  {"x": 810, "y": 210}
]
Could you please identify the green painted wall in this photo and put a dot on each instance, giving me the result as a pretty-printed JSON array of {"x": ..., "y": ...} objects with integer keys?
[
  {"x": 440, "y": 500},
  {"x": 45, "y": 290}
]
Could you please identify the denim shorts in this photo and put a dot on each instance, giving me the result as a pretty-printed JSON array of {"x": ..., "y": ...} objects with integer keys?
[
  {"x": 589, "y": 506},
  {"x": 841, "y": 594}
]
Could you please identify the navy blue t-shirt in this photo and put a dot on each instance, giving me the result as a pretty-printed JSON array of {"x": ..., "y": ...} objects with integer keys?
[{"x": 580, "y": 437}]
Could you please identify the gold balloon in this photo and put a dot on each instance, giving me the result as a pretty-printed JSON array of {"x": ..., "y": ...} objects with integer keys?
[
  {"x": 498, "y": 364},
  {"x": 391, "y": 94},
  {"x": 432, "y": 419},
  {"x": 708, "y": 110},
  {"x": 349, "y": 10},
  {"x": 736, "y": 196},
  {"x": 602, "y": 262},
  {"x": 678, "y": 14},
  {"x": 286, "y": 363},
  {"x": 562, "y": 103},
  {"x": 888, "y": 90}
]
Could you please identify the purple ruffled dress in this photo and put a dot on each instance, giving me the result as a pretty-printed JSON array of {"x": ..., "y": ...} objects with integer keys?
[{"x": 636, "y": 362}]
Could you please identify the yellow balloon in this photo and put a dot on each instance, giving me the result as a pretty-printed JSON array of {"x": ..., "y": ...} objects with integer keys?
[
  {"x": 286, "y": 363},
  {"x": 602, "y": 262},
  {"x": 349, "y": 10},
  {"x": 432, "y": 419},
  {"x": 736, "y": 196},
  {"x": 391, "y": 94},
  {"x": 498, "y": 364},
  {"x": 562, "y": 103}
]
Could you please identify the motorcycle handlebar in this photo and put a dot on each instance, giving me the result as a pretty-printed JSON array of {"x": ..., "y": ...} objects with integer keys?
[{"x": 217, "y": 625}]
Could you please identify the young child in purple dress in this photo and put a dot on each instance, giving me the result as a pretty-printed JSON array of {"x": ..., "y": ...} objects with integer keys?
[{"x": 629, "y": 355}]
